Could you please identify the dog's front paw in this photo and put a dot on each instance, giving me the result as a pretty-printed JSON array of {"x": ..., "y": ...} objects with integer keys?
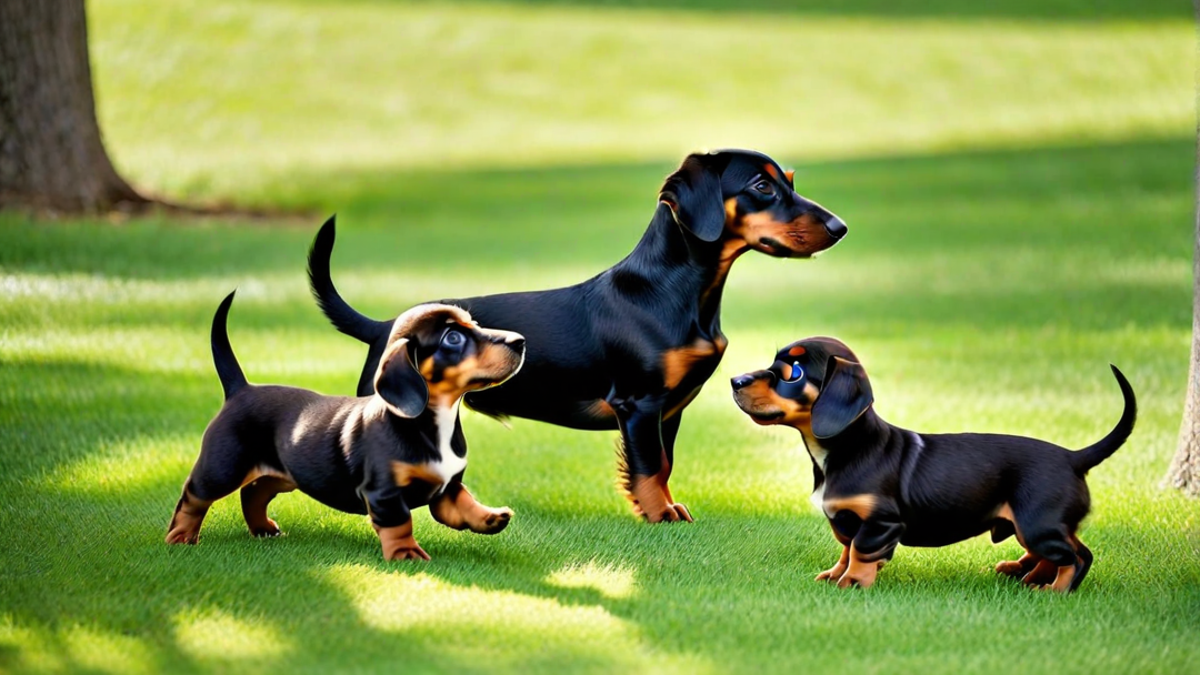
[
  {"x": 861, "y": 576},
  {"x": 832, "y": 574},
  {"x": 268, "y": 529},
  {"x": 413, "y": 552},
  {"x": 496, "y": 520},
  {"x": 683, "y": 513},
  {"x": 668, "y": 513},
  {"x": 1012, "y": 568},
  {"x": 1043, "y": 573},
  {"x": 183, "y": 536}
]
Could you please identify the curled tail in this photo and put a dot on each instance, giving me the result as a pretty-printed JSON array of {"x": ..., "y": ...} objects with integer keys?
[
  {"x": 1089, "y": 457},
  {"x": 344, "y": 317},
  {"x": 228, "y": 370}
]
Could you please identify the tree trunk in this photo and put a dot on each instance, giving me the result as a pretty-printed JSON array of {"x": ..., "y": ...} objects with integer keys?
[
  {"x": 51, "y": 155},
  {"x": 1185, "y": 468}
]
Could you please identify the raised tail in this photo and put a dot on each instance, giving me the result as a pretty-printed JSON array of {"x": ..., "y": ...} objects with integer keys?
[
  {"x": 1087, "y": 458},
  {"x": 228, "y": 370},
  {"x": 344, "y": 317}
]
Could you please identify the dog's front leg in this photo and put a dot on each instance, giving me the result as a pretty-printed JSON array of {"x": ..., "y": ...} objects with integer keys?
[
  {"x": 456, "y": 508},
  {"x": 393, "y": 523},
  {"x": 834, "y": 574},
  {"x": 871, "y": 547},
  {"x": 646, "y": 463}
]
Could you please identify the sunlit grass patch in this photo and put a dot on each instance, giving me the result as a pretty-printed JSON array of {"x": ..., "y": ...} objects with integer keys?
[
  {"x": 499, "y": 624},
  {"x": 215, "y": 636},
  {"x": 610, "y": 581}
]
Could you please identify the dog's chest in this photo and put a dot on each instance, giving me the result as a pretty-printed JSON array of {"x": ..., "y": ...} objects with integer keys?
[
  {"x": 692, "y": 363},
  {"x": 819, "y": 455},
  {"x": 448, "y": 464}
]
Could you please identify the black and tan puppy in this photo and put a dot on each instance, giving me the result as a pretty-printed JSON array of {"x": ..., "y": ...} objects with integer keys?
[
  {"x": 381, "y": 455},
  {"x": 630, "y": 348},
  {"x": 880, "y": 485}
]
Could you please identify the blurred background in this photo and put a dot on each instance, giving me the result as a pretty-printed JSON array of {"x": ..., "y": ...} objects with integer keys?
[{"x": 1017, "y": 178}]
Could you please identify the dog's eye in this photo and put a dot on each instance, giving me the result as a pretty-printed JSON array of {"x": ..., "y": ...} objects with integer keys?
[
  {"x": 764, "y": 187},
  {"x": 797, "y": 373},
  {"x": 453, "y": 338}
]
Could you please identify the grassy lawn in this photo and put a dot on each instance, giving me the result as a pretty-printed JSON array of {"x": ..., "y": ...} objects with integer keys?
[{"x": 1020, "y": 214}]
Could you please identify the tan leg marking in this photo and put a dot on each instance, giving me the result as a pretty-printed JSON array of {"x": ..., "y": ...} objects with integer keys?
[
  {"x": 185, "y": 523},
  {"x": 652, "y": 498},
  {"x": 460, "y": 511},
  {"x": 1043, "y": 573},
  {"x": 256, "y": 495},
  {"x": 834, "y": 574},
  {"x": 860, "y": 505},
  {"x": 398, "y": 543},
  {"x": 1062, "y": 579},
  {"x": 860, "y": 572},
  {"x": 1018, "y": 568}
]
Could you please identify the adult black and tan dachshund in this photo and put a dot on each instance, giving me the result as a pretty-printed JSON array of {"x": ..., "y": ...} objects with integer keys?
[{"x": 630, "y": 348}]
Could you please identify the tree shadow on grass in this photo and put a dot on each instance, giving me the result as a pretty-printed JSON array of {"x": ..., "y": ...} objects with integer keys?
[{"x": 589, "y": 217}]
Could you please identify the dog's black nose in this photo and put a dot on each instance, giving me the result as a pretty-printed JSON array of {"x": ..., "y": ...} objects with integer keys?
[
  {"x": 518, "y": 344},
  {"x": 741, "y": 381},
  {"x": 835, "y": 227}
]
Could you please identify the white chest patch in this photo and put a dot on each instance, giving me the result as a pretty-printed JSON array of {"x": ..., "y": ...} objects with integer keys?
[
  {"x": 818, "y": 498},
  {"x": 819, "y": 456},
  {"x": 448, "y": 465}
]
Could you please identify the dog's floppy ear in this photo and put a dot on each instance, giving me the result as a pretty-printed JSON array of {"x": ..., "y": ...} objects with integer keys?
[
  {"x": 693, "y": 193},
  {"x": 399, "y": 384},
  {"x": 845, "y": 396}
]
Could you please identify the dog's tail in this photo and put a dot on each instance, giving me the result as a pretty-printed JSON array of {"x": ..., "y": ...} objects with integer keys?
[
  {"x": 344, "y": 317},
  {"x": 1087, "y": 458},
  {"x": 228, "y": 370}
]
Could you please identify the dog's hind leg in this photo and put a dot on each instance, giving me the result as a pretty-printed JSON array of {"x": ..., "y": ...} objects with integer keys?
[
  {"x": 1052, "y": 544},
  {"x": 1085, "y": 561},
  {"x": 223, "y": 466},
  {"x": 187, "y": 519},
  {"x": 256, "y": 495}
]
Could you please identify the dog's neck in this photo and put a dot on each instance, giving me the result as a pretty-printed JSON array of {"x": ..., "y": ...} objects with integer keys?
[
  {"x": 865, "y": 433},
  {"x": 695, "y": 270}
]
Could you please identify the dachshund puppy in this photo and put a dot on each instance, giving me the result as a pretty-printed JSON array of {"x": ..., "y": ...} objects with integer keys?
[
  {"x": 380, "y": 455},
  {"x": 880, "y": 485},
  {"x": 630, "y": 348}
]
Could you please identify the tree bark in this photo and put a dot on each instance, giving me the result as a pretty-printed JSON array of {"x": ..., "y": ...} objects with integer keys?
[
  {"x": 1184, "y": 473},
  {"x": 51, "y": 153}
]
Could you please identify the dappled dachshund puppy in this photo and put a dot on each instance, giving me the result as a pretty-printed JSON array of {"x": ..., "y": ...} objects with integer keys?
[
  {"x": 880, "y": 485},
  {"x": 380, "y": 455},
  {"x": 630, "y": 348}
]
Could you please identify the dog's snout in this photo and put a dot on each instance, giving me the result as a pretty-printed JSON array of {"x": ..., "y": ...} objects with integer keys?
[
  {"x": 741, "y": 381},
  {"x": 835, "y": 227},
  {"x": 517, "y": 342}
]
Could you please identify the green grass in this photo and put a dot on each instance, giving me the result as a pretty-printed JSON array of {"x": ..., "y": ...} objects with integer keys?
[
  {"x": 264, "y": 102},
  {"x": 986, "y": 288}
]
